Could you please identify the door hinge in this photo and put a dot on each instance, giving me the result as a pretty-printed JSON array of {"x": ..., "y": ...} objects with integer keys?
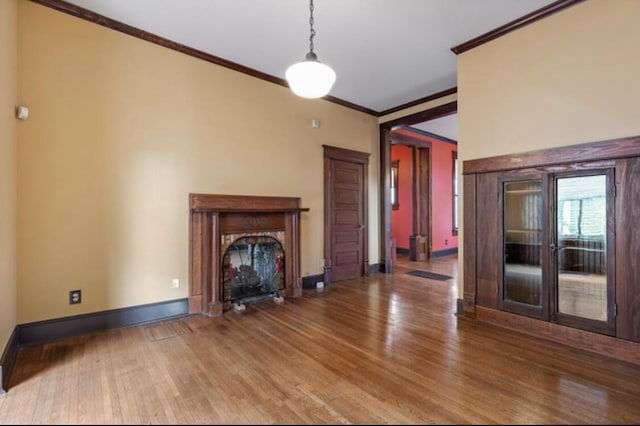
[{"x": 615, "y": 310}]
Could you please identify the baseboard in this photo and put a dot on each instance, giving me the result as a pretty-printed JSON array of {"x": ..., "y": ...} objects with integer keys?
[
  {"x": 434, "y": 253},
  {"x": 8, "y": 359},
  {"x": 623, "y": 350},
  {"x": 376, "y": 268},
  {"x": 60, "y": 328},
  {"x": 459, "y": 307},
  {"x": 310, "y": 280},
  {"x": 444, "y": 252}
]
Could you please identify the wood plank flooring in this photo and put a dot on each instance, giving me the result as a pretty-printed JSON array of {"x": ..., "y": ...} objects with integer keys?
[{"x": 385, "y": 349}]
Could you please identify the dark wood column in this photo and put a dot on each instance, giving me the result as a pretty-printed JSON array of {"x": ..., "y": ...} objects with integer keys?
[{"x": 292, "y": 251}]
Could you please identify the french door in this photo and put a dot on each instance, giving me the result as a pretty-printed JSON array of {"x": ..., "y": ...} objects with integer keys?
[{"x": 557, "y": 231}]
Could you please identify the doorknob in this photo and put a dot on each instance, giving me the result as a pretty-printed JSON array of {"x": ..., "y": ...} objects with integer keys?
[{"x": 555, "y": 248}]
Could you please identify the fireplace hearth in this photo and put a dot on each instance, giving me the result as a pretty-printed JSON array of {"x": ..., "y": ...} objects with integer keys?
[{"x": 243, "y": 249}]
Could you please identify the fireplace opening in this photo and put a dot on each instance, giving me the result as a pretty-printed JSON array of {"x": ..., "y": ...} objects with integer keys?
[{"x": 253, "y": 270}]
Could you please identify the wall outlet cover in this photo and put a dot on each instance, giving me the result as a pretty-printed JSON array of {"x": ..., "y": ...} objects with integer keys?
[{"x": 75, "y": 296}]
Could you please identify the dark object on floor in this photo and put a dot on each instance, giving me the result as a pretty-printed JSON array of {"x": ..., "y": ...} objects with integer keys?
[{"x": 432, "y": 275}]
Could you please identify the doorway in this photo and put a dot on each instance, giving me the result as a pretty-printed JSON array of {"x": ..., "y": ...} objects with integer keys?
[
  {"x": 411, "y": 215},
  {"x": 386, "y": 141}
]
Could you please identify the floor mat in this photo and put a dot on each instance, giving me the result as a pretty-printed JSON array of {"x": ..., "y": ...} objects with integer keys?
[{"x": 432, "y": 275}]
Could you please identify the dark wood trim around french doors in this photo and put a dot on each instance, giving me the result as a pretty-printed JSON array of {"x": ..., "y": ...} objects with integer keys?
[
  {"x": 346, "y": 227},
  {"x": 385, "y": 171}
]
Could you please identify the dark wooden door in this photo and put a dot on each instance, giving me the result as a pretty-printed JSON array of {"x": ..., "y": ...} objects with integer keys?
[{"x": 345, "y": 214}]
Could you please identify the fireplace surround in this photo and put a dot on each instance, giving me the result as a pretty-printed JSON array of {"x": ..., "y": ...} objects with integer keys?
[{"x": 218, "y": 221}]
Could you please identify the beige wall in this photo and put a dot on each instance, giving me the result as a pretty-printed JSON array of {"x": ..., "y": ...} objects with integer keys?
[
  {"x": 121, "y": 131},
  {"x": 568, "y": 79},
  {"x": 8, "y": 139}
]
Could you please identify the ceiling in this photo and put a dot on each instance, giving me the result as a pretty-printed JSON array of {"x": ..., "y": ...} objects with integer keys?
[
  {"x": 386, "y": 53},
  {"x": 446, "y": 126}
]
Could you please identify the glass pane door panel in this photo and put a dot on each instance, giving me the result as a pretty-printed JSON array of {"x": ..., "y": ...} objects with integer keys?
[
  {"x": 580, "y": 250},
  {"x": 522, "y": 242}
]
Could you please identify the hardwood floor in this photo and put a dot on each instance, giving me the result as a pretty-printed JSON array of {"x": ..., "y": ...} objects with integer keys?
[{"x": 383, "y": 349}]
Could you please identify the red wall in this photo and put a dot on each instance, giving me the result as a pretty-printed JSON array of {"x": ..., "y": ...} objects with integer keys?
[{"x": 441, "y": 194}]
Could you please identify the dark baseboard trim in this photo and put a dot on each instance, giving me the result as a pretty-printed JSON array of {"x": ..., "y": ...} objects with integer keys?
[
  {"x": 615, "y": 347},
  {"x": 445, "y": 252},
  {"x": 460, "y": 307},
  {"x": 400, "y": 250},
  {"x": 8, "y": 360},
  {"x": 376, "y": 268},
  {"x": 60, "y": 328},
  {"x": 310, "y": 280}
]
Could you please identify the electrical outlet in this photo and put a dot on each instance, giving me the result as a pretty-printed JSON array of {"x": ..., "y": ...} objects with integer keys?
[
  {"x": 322, "y": 263},
  {"x": 75, "y": 296},
  {"x": 176, "y": 283}
]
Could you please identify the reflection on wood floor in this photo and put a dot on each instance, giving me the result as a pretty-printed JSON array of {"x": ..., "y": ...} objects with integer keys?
[{"x": 383, "y": 349}]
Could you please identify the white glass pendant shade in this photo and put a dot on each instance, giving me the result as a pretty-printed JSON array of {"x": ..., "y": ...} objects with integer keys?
[{"x": 310, "y": 78}]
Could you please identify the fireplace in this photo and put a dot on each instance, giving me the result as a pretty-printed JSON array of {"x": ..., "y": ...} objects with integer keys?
[
  {"x": 252, "y": 269},
  {"x": 242, "y": 249}
]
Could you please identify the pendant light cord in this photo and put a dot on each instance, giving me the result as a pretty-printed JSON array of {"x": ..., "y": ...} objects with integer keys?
[{"x": 313, "y": 32}]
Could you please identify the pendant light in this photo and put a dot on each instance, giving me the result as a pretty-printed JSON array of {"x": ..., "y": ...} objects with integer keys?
[{"x": 310, "y": 78}]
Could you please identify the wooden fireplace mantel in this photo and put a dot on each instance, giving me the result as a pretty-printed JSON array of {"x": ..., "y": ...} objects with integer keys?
[
  {"x": 244, "y": 203},
  {"x": 213, "y": 215}
]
